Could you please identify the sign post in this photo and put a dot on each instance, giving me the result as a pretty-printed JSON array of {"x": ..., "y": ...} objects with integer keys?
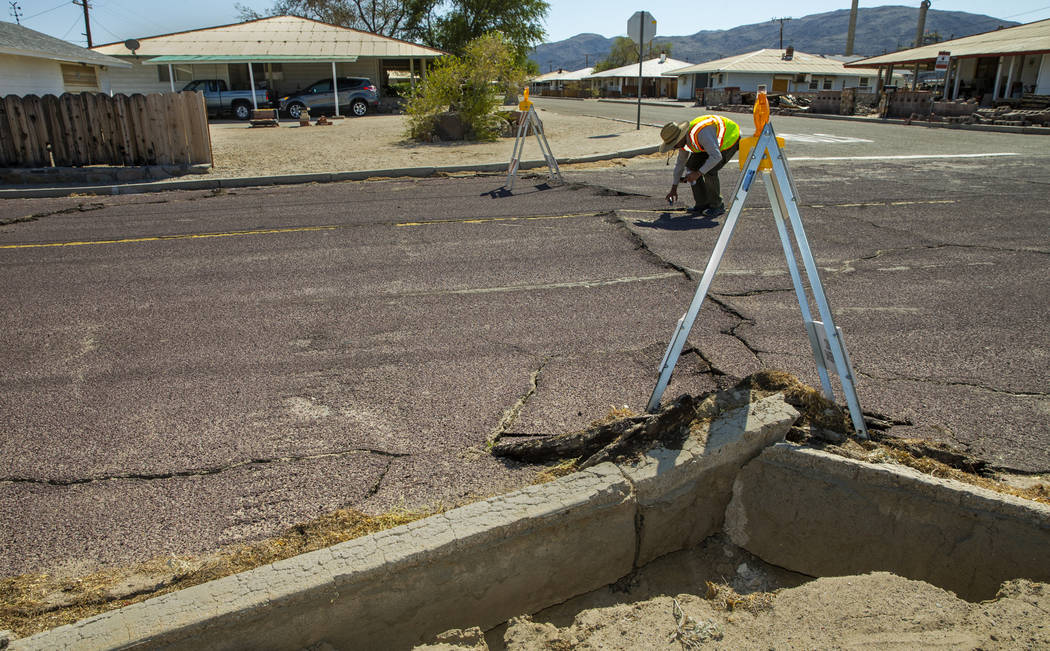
[{"x": 643, "y": 24}]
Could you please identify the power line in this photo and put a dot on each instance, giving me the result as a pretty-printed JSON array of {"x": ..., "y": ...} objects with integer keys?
[
  {"x": 46, "y": 11},
  {"x": 1027, "y": 12}
]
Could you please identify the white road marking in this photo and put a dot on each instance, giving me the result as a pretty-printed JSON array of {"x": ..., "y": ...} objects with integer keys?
[
  {"x": 820, "y": 137},
  {"x": 903, "y": 156}
]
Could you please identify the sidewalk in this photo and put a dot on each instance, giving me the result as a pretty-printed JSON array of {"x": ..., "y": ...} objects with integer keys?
[{"x": 354, "y": 149}]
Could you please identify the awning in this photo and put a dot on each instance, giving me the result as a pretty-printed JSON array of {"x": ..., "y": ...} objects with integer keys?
[{"x": 261, "y": 58}]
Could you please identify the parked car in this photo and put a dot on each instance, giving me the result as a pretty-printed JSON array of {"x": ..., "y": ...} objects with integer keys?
[
  {"x": 220, "y": 100},
  {"x": 357, "y": 96}
]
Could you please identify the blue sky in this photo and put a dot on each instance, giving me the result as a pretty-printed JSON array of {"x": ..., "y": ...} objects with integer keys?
[{"x": 119, "y": 20}]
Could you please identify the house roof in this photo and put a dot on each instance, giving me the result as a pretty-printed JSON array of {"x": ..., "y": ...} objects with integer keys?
[
  {"x": 771, "y": 61},
  {"x": 22, "y": 41},
  {"x": 651, "y": 68},
  {"x": 1031, "y": 38},
  {"x": 565, "y": 75},
  {"x": 279, "y": 38}
]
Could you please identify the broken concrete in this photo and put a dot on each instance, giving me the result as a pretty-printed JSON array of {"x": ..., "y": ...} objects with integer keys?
[
  {"x": 480, "y": 565},
  {"x": 820, "y": 514},
  {"x": 682, "y": 494}
]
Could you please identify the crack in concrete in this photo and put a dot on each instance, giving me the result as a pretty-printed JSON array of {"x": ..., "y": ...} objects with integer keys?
[
  {"x": 379, "y": 482},
  {"x": 202, "y": 472},
  {"x": 641, "y": 245},
  {"x": 511, "y": 415},
  {"x": 80, "y": 207},
  {"x": 754, "y": 292},
  {"x": 954, "y": 383},
  {"x": 712, "y": 369},
  {"x": 751, "y": 349}
]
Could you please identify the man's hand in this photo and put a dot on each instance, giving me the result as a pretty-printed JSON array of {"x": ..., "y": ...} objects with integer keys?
[
  {"x": 672, "y": 196},
  {"x": 692, "y": 176}
]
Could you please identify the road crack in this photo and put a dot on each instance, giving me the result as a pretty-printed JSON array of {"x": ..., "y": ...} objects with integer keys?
[
  {"x": 510, "y": 415},
  {"x": 200, "y": 472},
  {"x": 955, "y": 383}
]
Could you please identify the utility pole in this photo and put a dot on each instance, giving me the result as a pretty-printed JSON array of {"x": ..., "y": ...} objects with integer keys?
[
  {"x": 852, "y": 31},
  {"x": 782, "y": 21},
  {"x": 16, "y": 11},
  {"x": 87, "y": 20},
  {"x": 919, "y": 33}
]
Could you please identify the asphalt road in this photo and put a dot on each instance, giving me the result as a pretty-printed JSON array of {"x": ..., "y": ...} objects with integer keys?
[{"x": 188, "y": 369}]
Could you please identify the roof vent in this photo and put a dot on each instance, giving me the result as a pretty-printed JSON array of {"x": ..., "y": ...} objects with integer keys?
[
  {"x": 132, "y": 45},
  {"x": 663, "y": 57},
  {"x": 789, "y": 53}
]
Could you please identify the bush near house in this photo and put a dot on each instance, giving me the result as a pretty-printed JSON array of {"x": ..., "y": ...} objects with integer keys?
[{"x": 468, "y": 89}]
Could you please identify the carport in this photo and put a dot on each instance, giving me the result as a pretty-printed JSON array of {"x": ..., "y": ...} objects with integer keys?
[
  {"x": 290, "y": 50},
  {"x": 1003, "y": 64}
]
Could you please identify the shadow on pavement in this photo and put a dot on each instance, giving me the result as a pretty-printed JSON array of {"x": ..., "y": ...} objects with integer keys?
[{"x": 676, "y": 222}]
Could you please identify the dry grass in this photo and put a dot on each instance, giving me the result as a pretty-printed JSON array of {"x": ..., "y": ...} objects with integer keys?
[
  {"x": 728, "y": 599},
  {"x": 30, "y": 603},
  {"x": 934, "y": 468}
]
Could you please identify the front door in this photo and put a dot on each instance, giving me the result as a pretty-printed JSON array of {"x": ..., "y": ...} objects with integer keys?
[{"x": 780, "y": 85}]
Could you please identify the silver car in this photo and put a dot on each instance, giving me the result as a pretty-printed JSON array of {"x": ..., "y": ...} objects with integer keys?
[{"x": 357, "y": 96}]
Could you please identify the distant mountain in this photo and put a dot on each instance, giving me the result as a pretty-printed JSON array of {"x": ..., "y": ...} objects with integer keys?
[{"x": 879, "y": 29}]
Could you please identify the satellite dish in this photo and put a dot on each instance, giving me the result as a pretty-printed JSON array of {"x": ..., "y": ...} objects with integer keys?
[{"x": 132, "y": 45}]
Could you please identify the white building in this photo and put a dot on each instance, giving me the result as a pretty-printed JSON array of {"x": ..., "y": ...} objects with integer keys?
[
  {"x": 775, "y": 71},
  {"x": 623, "y": 81},
  {"x": 32, "y": 63},
  {"x": 560, "y": 81},
  {"x": 1002, "y": 63}
]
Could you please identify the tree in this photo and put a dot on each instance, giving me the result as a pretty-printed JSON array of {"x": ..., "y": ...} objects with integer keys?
[
  {"x": 520, "y": 21},
  {"x": 471, "y": 85},
  {"x": 624, "y": 51},
  {"x": 443, "y": 24},
  {"x": 383, "y": 17}
]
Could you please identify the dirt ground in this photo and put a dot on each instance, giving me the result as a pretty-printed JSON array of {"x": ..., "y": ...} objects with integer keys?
[
  {"x": 717, "y": 596},
  {"x": 241, "y": 151}
]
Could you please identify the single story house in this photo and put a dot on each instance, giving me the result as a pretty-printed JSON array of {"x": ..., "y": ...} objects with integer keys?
[
  {"x": 775, "y": 71},
  {"x": 285, "y": 54},
  {"x": 623, "y": 81},
  {"x": 32, "y": 63},
  {"x": 561, "y": 83},
  {"x": 1005, "y": 63}
]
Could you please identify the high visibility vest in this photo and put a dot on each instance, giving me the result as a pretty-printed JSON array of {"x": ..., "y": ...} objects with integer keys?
[{"x": 728, "y": 132}]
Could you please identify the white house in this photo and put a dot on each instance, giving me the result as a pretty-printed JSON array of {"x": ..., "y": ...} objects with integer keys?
[
  {"x": 775, "y": 71},
  {"x": 286, "y": 53},
  {"x": 624, "y": 80},
  {"x": 559, "y": 81},
  {"x": 1004, "y": 63},
  {"x": 32, "y": 63}
]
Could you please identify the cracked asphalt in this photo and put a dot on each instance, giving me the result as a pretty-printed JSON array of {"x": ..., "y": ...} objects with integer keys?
[{"x": 184, "y": 370}]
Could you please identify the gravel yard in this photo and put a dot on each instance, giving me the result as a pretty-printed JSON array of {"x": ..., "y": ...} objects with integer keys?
[{"x": 379, "y": 142}]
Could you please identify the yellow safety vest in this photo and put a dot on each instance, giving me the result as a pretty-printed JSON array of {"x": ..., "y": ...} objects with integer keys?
[{"x": 728, "y": 132}]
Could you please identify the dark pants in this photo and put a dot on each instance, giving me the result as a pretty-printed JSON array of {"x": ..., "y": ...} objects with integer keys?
[{"x": 707, "y": 191}]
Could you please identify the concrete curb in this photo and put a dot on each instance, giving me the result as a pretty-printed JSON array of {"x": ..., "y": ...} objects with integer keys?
[
  {"x": 292, "y": 179},
  {"x": 477, "y": 565},
  {"x": 796, "y": 507},
  {"x": 825, "y": 515}
]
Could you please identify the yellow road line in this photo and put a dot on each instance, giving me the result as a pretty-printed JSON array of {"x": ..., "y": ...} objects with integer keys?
[
  {"x": 271, "y": 231},
  {"x": 485, "y": 220},
  {"x": 160, "y": 238}
]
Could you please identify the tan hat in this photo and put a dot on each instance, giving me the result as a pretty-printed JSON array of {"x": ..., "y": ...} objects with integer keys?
[{"x": 671, "y": 134}]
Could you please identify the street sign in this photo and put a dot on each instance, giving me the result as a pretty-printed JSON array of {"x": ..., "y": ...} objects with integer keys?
[
  {"x": 942, "y": 60},
  {"x": 641, "y": 27}
]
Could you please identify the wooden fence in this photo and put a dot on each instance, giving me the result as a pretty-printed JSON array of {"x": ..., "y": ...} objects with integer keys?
[{"x": 80, "y": 129}]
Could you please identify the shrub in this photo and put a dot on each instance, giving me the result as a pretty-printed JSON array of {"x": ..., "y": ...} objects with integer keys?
[{"x": 472, "y": 85}]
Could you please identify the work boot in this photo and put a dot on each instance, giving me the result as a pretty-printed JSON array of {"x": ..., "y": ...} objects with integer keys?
[{"x": 711, "y": 213}]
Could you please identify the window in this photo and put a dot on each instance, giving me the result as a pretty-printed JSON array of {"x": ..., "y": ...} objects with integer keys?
[
  {"x": 182, "y": 73},
  {"x": 77, "y": 78},
  {"x": 827, "y": 83},
  {"x": 813, "y": 81},
  {"x": 864, "y": 81}
]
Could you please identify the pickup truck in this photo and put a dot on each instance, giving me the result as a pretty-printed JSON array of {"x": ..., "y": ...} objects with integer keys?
[{"x": 220, "y": 100}]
